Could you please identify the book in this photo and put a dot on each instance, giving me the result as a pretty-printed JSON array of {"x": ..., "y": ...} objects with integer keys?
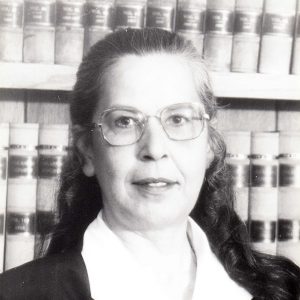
[
  {"x": 296, "y": 52},
  {"x": 12, "y": 106},
  {"x": 21, "y": 194},
  {"x": 161, "y": 14},
  {"x": 218, "y": 34},
  {"x": 237, "y": 158},
  {"x": 99, "y": 21},
  {"x": 52, "y": 151},
  {"x": 69, "y": 32},
  {"x": 277, "y": 36},
  {"x": 39, "y": 29},
  {"x": 190, "y": 21},
  {"x": 4, "y": 141},
  {"x": 263, "y": 196},
  {"x": 130, "y": 13},
  {"x": 246, "y": 36},
  {"x": 11, "y": 30},
  {"x": 289, "y": 194}
]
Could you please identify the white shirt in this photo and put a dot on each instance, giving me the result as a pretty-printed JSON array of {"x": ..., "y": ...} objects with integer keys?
[{"x": 115, "y": 274}]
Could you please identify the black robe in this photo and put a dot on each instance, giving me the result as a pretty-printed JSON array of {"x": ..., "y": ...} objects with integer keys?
[{"x": 57, "y": 277}]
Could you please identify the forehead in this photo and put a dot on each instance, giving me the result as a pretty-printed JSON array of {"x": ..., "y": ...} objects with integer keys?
[{"x": 149, "y": 82}]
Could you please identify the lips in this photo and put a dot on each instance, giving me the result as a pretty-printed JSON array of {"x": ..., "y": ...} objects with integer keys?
[{"x": 155, "y": 182}]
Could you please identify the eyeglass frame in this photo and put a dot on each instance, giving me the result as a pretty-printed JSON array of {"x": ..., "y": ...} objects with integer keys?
[{"x": 145, "y": 117}]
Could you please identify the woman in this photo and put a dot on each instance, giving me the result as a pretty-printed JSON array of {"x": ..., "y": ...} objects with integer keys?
[{"x": 146, "y": 156}]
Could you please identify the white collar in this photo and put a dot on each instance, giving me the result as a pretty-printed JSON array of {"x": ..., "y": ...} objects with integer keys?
[{"x": 114, "y": 273}]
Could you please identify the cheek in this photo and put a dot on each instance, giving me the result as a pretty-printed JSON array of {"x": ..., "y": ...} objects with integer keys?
[
  {"x": 112, "y": 168},
  {"x": 193, "y": 165}
]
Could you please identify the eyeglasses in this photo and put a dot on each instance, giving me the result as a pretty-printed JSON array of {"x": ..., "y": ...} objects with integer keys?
[{"x": 124, "y": 125}]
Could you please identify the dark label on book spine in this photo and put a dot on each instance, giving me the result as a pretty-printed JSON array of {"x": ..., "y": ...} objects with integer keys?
[
  {"x": 289, "y": 175},
  {"x": 39, "y": 13},
  {"x": 22, "y": 166},
  {"x": 275, "y": 24},
  {"x": 247, "y": 22},
  {"x": 190, "y": 20},
  {"x": 130, "y": 16},
  {"x": 1, "y": 224},
  {"x": 263, "y": 231},
  {"x": 264, "y": 175},
  {"x": 219, "y": 21},
  {"x": 45, "y": 221},
  {"x": 239, "y": 175},
  {"x": 20, "y": 223},
  {"x": 53, "y": 147},
  {"x": 50, "y": 166},
  {"x": 288, "y": 230},
  {"x": 69, "y": 14},
  {"x": 161, "y": 17},
  {"x": 100, "y": 15},
  {"x": 3, "y": 168},
  {"x": 11, "y": 14}
]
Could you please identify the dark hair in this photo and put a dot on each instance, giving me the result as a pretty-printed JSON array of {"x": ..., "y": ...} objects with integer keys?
[{"x": 79, "y": 199}]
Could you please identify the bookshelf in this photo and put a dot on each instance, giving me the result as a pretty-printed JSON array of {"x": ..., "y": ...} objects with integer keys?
[
  {"x": 39, "y": 93},
  {"x": 226, "y": 85},
  {"x": 36, "y": 76}
]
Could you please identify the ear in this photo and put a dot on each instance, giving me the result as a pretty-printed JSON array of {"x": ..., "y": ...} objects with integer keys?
[{"x": 86, "y": 151}]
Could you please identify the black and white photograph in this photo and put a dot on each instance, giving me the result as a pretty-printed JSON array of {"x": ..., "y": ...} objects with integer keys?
[{"x": 149, "y": 149}]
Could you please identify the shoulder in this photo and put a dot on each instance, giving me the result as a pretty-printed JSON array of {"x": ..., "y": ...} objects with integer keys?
[{"x": 60, "y": 276}]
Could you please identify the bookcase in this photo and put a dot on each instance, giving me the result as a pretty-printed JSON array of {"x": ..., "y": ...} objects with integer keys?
[{"x": 40, "y": 92}]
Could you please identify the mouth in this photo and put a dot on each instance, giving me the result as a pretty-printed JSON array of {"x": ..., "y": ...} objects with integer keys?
[{"x": 155, "y": 182}]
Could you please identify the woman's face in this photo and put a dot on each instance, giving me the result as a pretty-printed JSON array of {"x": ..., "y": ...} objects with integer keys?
[{"x": 156, "y": 181}]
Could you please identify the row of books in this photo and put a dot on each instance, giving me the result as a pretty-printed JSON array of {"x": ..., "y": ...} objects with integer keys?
[
  {"x": 233, "y": 35},
  {"x": 265, "y": 177},
  {"x": 31, "y": 160},
  {"x": 266, "y": 180}
]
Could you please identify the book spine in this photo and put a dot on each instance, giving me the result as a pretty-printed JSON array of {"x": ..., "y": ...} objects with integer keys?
[
  {"x": 4, "y": 138},
  {"x": 21, "y": 194},
  {"x": 130, "y": 13},
  {"x": 263, "y": 191},
  {"x": 11, "y": 30},
  {"x": 277, "y": 36},
  {"x": 39, "y": 29},
  {"x": 99, "y": 21},
  {"x": 296, "y": 52},
  {"x": 246, "y": 36},
  {"x": 52, "y": 151},
  {"x": 161, "y": 14},
  {"x": 289, "y": 195},
  {"x": 190, "y": 21},
  {"x": 69, "y": 33},
  {"x": 218, "y": 34},
  {"x": 237, "y": 159}
]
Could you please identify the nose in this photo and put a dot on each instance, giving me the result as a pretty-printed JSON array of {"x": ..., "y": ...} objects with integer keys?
[{"x": 153, "y": 143}]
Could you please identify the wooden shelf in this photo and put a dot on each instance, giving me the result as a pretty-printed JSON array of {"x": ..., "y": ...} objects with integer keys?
[
  {"x": 226, "y": 85},
  {"x": 37, "y": 76},
  {"x": 256, "y": 86}
]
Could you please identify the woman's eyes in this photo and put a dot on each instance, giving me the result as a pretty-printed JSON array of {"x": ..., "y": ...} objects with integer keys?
[
  {"x": 177, "y": 120},
  {"x": 125, "y": 122}
]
